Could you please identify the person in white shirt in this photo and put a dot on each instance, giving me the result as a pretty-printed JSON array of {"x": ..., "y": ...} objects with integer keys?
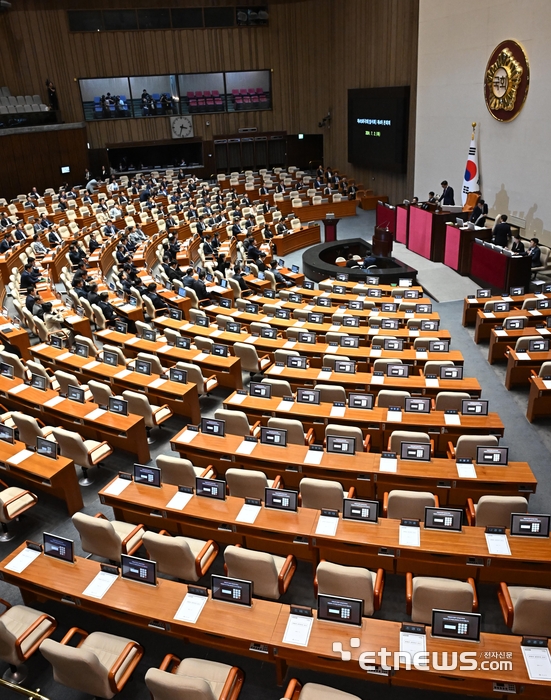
[
  {"x": 113, "y": 186},
  {"x": 115, "y": 212}
]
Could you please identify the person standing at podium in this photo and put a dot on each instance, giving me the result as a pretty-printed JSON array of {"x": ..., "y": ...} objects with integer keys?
[
  {"x": 446, "y": 198},
  {"x": 502, "y": 231}
]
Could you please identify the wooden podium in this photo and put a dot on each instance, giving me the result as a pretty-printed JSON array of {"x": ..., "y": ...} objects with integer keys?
[
  {"x": 330, "y": 226},
  {"x": 427, "y": 233},
  {"x": 459, "y": 244},
  {"x": 492, "y": 268}
]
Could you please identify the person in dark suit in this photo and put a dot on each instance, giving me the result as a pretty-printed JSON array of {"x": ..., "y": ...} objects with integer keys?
[
  {"x": 261, "y": 263},
  {"x": 479, "y": 212},
  {"x": 200, "y": 287},
  {"x": 93, "y": 245},
  {"x": 221, "y": 264},
  {"x": 54, "y": 238},
  {"x": 122, "y": 256},
  {"x": 19, "y": 233},
  {"x": 534, "y": 252},
  {"x": 263, "y": 190},
  {"x": 29, "y": 278},
  {"x": 278, "y": 276},
  {"x": 502, "y": 231},
  {"x": 518, "y": 245},
  {"x": 108, "y": 310},
  {"x": 446, "y": 198},
  {"x": 6, "y": 243},
  {"x": 157, "y": 301},
  {"x": 238, "y": 277},
  {"x": 350, "y": 262},
  {"x": 266, "y": 232},
  {"x": 279, "y": 188}
]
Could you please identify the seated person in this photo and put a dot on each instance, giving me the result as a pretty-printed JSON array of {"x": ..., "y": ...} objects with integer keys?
[
  {"x": 108, "y": 310},
  {"x": 350, "y": 262},
  {"x": 92, "y": 293},
  {"x": 261, "y": 262},
  {"x": 478, "y": 214},
  {"x": 279, "y": 278},
  {"x": 29, "y": 277},
  {"x": 78, "y": 288},
  {"x": 53, "y": 320},
  {"x": 518, "y": 245},
  {"x": 6, "y": 243},
  {"x": 38, "y": 247},
  {"x": 222, "y": 264},
  {"x": 201, "y": 287},
  {"x": 238, "y": 277},
  {"x": 534, "y": 252},
  {"x": 93, "y": 245},
  {"x": 157, "y": 301},
  {"x": 267, "y": 233}
]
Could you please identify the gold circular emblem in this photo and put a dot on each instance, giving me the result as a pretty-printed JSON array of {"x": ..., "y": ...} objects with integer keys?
[{"x": 506, "y": 81}]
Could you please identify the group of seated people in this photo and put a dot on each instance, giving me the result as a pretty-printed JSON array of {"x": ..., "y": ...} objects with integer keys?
[{"x": 160, "y": 104}]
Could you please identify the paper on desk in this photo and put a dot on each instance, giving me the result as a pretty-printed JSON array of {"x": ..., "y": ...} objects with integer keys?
[
  {"x": 91, "y": 365},
  {"x": 53, "y": 402},
  {"x": 421, "y": 354},
  {"x": 99, "y": 585},
  {"x": 289, "y": 344},
  {"x": 132, "y": 341},
  {"x": 413, "y": 334},
  {"x": 377, "y": 379},
  {"x": 327, "y": 525},
  {"x": 373, "y": 331},
  {"x": 187, "y": 436},
  {"x": 507, "y": 299},
  {"x": 190, "y": 608},
  {"x": 452, "y": 419},
  {"x": 74, "y": 318},
  {"x": 497, "y": 544},
  {"x": 106, "y": 331},
  {"x": 535, "y": 312},
  {"x": 488, "y": 314},
  {"x": 387, "y": 464},
  {"x": 394, "y": 416},
  {"x": 248, "y": 513},
  {"x": 18, "y": 389},
  {"x": 538, "y": 663},
  {"x": 156, "y": 383},
  {"x": 324, "y": 375},
  {"x": 547, "y": 383},
  {"x": 412, "y": 643},
  {"x": 466, "y": 471},
  {"x": 298, "y": 630},
  {"x": 409, "y": 536},
  {"x": 22, "y": 560},
  {"x": 97, "y": 413},
  {"x": 308, "y": 307},
  {"x": 216, "y": 333},
  {"x": 432, "y": 383},
  {"x": 543, "y": 331},
  {"x": 313, "y": 457},
  {"x": 201, "y": 356},
  {"x": 374, "y": 312},
  {"x": 40, "y": 346},
  {"x": 117, "y": 487},
  {"x": 375, "y": 353},
  {"x": 179, "y": 501},
  {"x": 334, "y": 326},
  {"x": 237, "y": 398},
  {"x": 276, "y": 370},
  {"x": 500, "y": 333},
  {"x": 63, "y": 356},
  {"x": 298, "y": 324},
  {"x": 187, "y": 326},
  {"x": 123, "y": 373},
  {"x": 165, "y": 348},
  {"x": 523, "y": 356},
  {"x": 237, "y": 312},
  {"x": 337, "y": 411},
  {"x": 245, "y": 448}
]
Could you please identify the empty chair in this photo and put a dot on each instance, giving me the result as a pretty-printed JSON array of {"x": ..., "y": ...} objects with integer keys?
[
  {"x": 107, "y": 538},
  {"x": 270, "y": 574},
  {"x": 184, "y": 558},
  {"x": 195, "y": 376},
  {"x": 334, "y": 337},
  {"x": 121, "y": 359},
  {"x": 10, "y": 358},
  {"x": 101, "y": 392},
  {"x": 154, "y": 416},
  {"x": 314, "y": 691},
  {"x": 523, "y": 344},
  {"x": 280, "y": 387},
  {"x": 196, "y": 679},
  {"x": 351, "y": 431},
  {"x": 434, "y": 366},
  {"x": 399, "y": 504},
  {"x": 37, "y": 368},
  {"x": 257, "y": 326},
  {"x": 467, "y": 444},
  {"x": 423, "y": 342},
  {"x": 427, "y": 593},
  {"x": 141, "y": 327},
  {"x": 329, "y": 360},
  {"x": 527, "y": 611},
  {"x": 156, "y": 366},
  {"x": 66, "y": 379},
  {"x": 13, "y": 503},
  {"x": 194, "y": 313},
  {"x": 318, "y": 494},
  {"x": 92, "y": 349},
  {"x": 282, "y": 355},
  {"x": 101, "y": 665},
  {"x": 351, "y": 582},
  {"x": 84, "y": 453},
  {"x": 381, "y": 364},
  {"x": 250, "y": 362},
  {"x": 180, "y": 471},
  {"x": 545, "y": 370},
  {"x": 495, "y": 510},
  {"x": 295, "y": 430},
  {"x": 249, "y": 483},
  {"x": 237, "y": 422},
  {"x": 450, "y": 400},
  {"x": 330, "y": 393},
  {"x": 406, "y": 306},
  {"x": 30, "y": 428},
  {"x": 398, "y": 436},
  {"x": 387, "y": 398}
]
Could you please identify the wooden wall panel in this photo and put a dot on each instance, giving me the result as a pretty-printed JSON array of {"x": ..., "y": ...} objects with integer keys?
[{"x": 317, "y": 49}]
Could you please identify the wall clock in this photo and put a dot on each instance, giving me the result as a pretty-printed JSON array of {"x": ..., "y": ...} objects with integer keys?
[{"x": 181, "y": 127}]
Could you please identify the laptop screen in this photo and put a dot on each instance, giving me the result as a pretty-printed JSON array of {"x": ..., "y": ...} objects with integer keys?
[
  {"x": 269, "y": 333},
  {"x": 6, "y": 370},
  {"x": 149, "y": 335},
  {"x": 175, "y": 314},
  {"x": 119, "y": 406},
  {"x": 211, "y": 426},
  {"x": 273, "y": 436},
  {"x": 210, "y": 488},
  {"x": 311, "y": 396},
  {"x": 296, "y": 361},
  {"x": 526, "y": 525},
  {"x": 393, "y": 344}
]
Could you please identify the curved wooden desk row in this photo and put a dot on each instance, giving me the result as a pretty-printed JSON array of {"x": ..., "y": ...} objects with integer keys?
[
  {"x": 376, "y": 422},
  {"x": 362, "y": 470},
  {"x": 10, "y": 259},
  {"x": 471, "y": 306},
  {"x": 239, "y": 630},
  {"x": 486, "y": 320},
  {"x": 501, "y": 339},
  {"x": 520, "y": 366},
  {"x": 18, "y": 337}
]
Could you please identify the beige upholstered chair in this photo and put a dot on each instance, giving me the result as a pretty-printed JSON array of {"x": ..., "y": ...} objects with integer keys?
[
  {"x": 329, "y": 393},
  {"x": 101, "y": 392},
  {"x": 495, "y": 510},
  {"x": 19, "y": 369},
  {"x": 195, "y": 376},
  {"x": 250, "y": 362},
  {"x": 92, "y": 349},
  {"x": 204, "y": 344},
  {"x": 527, "y": 611},
  {"x": 467, "y": 444},
  {"x": 351, "y": 582},
  {"x": 362, "y": 444},
  {"x": 181, "y": 472},
  {"x": 84, "y": 453},
  {"x": 523, "y": 343},
  {"x": 280, "y": 387},
  {"x": 329, "y": 360},
  {"x": 387, "y": 398},
  {"x": 99, "y": 318},
  {"x": 295, "y": 430},
  {"x": 194, "y": 313},
  {"x": 37, "y": 368},
  {"x": 156, "y": 366},
  {"x": 322, "y": 493},
  {"x": 334, "y": 337},
  {"x": 196, "y": 679},
  {"x": 426, "y": 593},
  {"x": 450, "y": 400},
  {"x": 282, "y": 355},
  {"x": 398, "y": 436},
  {"x": 101, "y": 665},
  {"x": 29, "y": 428},
  {"x": 13, "y": 503},
  {"x": 250, "y": 483},
  {"x": 22, "y": 630},
  {"x": 408, "y": 504},
  {"x": 433, "y": 367},
  {"x": 154, "y": 416},
  {"x": 314, "y": 691},
  {"x": 121, "y": 359},
  {"x": 183, "y": 558},
  {"x": 107, "y": 538},
  {"x": 381, "y": 364},
  {"x": 271, "y": 575},
  {"x": 423, "y": 342},
  {"x": 237, "y": 422},
  {"x": 66, "y": 379}
]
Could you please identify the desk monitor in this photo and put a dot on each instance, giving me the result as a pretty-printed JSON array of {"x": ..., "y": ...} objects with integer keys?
[
  {"x": 483, "y": 293},
  {"x": 324, "y": 301},
  {"x": 273, "y": 436},
  {"x": 6, "y": 433},
  {"x": 397, "y": 370},
  {"x": 202, "y": 321},
  {"x": 543, "y": 304},
  {"x": 150, "y": 476},
  {"x": 261, "y": 276},
  {"x": 423, "y": 308},
  {"x": 281, "y": 262},
  {"x": 516, "y": 291},
  {"x": 224, "y": 283},
  {"x": 177, "y": 375},
  {"x": 58, "y": 547},
  {"x": 364, "y": 511},
  {"x": 260, "y": 390},
  {"x": 183, "y": 343},
  {"x": 417, "y": 405},
  {"x": 405, "y": 282},
  {"x": 349, "y": 341},
  {"x": 6, "y": 370},
  {"x": 121, "y": 327},
  {"x": 56, "y": 341},
  {"x": 393, "y": 344},
  {"x": 225, "y": 303},
  {"x": 411, "y": 294},
  {"x": 374, "y": 293},
  {"x": 295, "y": 298},
  {"x": 133, "y": 301},
  {"x": 360, "y": 401},
  {"x": 356, "y": 305},
  {"x": 46, "y": 448},
  {"x": 281, "y": 499},
  {"x": 232, "y": 590},
  {"x": 81, "y": 350},
  {"x": 295, "y": 270},
  {"x": 306, "y": 284},
  {"x": 336, "y": 609},
  {"x": 140, "y": 570},
  {"x": 416, "y": 451},
  {"x": 315, "y": 318},
  {"x": 351, "y": 321},
  {"x": 449, "y": 372},
  {"x": 439, "y": 345},
  {"x": 75, "y": 393},
  {"x": 443, "y": 518},
  {"x": 372, "y": 280},
  {"x": 175, "y": 314},
  {"x": 181, "y": 291},
  {"x": 339, "y": 444},
  {"x": 513, "y": 324},
  {"x": 251, "y": 309},
  {"x": 494, "y": 456},
  {"x": 345, "y": 366},
  {"x": 149, "y": 335},
  {"x": 538, "y": 345},
  {"x": 342, "y": 277},
  {"x": 390, "y": 324},
  {"x": 456, "y": 625},
  {"x": 297, "y": 361},
  {"x": 339, "y": 289},
  {"x": 459, "y": 221},
  {"x": 118, "y": 406},
  {"x": 210, "y": 488},
  {"x": 311, "y": 396},
  {"x": 430, "y": 325},
  {"x": 306, "y": 337},
  {"x": 142, "y": 367},
  {"x": 270, "y": 333},
  {"x": 233, "y": 327},
  {"x": 389, "y": 307},
  {"x": 247, "y": 269},
  {"x": 39, "y": 382},
  {"x": 212, "y": 426},
  {"x": 501, "y": 306},
  {"x": 524, "y": 525},
  {"x": 219, "y": 350},
  {"x": 269, "y": 293},
  {"x": 476, "y": 407},
  {"x": 284, "y": 314}
]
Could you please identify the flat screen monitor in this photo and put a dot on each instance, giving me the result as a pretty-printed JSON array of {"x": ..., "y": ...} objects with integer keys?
[
  {"x": 311, "y": 396},
  {"x": 175, "y": 314},
  {"x": 273, "y": 436},
  {"x": 75, "y": 393},
  {"x": 7, "y": 434},
  {"x": 251, "y": 309},
  {"x": 364, "y": 511},
  {"x": 269, "y": 293},
  {"x": 233, "y": 327},
  {"x": 356, "y": 305},
  {"x": 341, "y": 445},
  {"x": 397, "y": 370},
  {"x": 118, "y": 406},
  {"x": 281, "y": 499},
  {"x": 261, "y": 276},
  {"x": 374, "y": 293},
  {"x": 219, "y": 350},
  {"x": 295, "y": 270},
  {"x": 295, "y": 298},
  {"x": 183, "y": 343},
  {"x": 443, "y": 518},
  {"x": 417, "y": 451},
  {"x": 524, "y": 525},
  {"x": 39, "y": 382},
  {"x": 81, "y": 350},
  {"x": 284, "y": 314},
  {"x": 390, "y": 324},
  {"x": 324, "y": 301},
  {"x": 389, "y": 307},
  {"x": 360, "y": 401},
  {"x": 121, "y": 327},
  {"x": 260, "y": 390},
  {"x": 210, "y": 488},
  {"x": 6, "y": 370},
  {"x": 133, "y": 301},
  {"x": 202, "y": 321},
  {"x": 350, "y": 321},
  {"x": 281, "y": 262},
  {"x": 56, "y": 341},
  {"x": 181, "y": 291},
  {"x": 58, "y": 547},
  {"x": 335, "y": 609},
  {"x": 411, "y": 294},
  {"x": 516, "y": 291},
  {"x": 270, "y": 333},
  {"x": 46, "y": 448},
  {"x": 430, "y": 325},
  {"x": 502, "y": 306},
  {"x": 140, "y": 570},
  {"x": 339, "y": 289},
  {"x": 372, "y": 280},
  {"x": 345, "y": 366},
  {"x": 232, "y": 590},
  {"x": 306, "y": 284},
  {"x": 224, "y": 284},
  {"x": 150, "y": 476},
  {"x": 110, "y": 358},
  {"x": 225, "y": 303},
  {"x": 393, "y": 344},
  {"x": 211, "y": 426},
  {"x": 474, "y": 407},
  {"x": 483, "y": 293},
  {"x": 177, "y": 375},
  {"x": 315, "y": 318},
  {"x": 449, "y": 372},
  {"x": 306, "y": 337},
  {"x": 439, "y": 346},
  {"x": 456, "y": 625},
  {"x": 341, "y": 277},
  {"x": 349, "y": 341},
  {"x": 149, "y": 335},
  {"x": 414, "y": 405},
  {"x": 423, "y": 308},
  {"x": 297, "y": 361},
  {"x": 543, "y": 304},
  {"x": 493, "y": 456},
  {"x": 143, "y": 367},
  {"x": 538, "y": 345}
]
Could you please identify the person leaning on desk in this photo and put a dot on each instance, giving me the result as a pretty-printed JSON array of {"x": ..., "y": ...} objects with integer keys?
[{"x": 502, "y": 231}]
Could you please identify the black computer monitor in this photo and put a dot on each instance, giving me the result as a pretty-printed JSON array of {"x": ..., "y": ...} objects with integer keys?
[
  {"x": 210, "y": 488},
  {"x": 417, "y": 451},
  {"x": 345, "y": 366},
  {"x": 143, "y": 367},
  {"x": 306, "y": 337},
  {"x": 297, "y": 361},
  {"x": 342, "y": 277},
  {"x": 349, "y": 341},
  {"x": 231, "y": 590},
  {"x": 315, "y": 318},
  {"x": 356, "y": 305},
  {"x": 372, "y": 280},
  {"x": 118, "y": 406},
  {"x": 233, "y": 327},
  {"x": 338, "y": 289},
  {"x": 374, "y": 293},
  {"x": 110, "y": 358},
  {"x": 177, "y": 375},
  {"x": 269, "y": 293},
  {"x": 307, "y": 284},
  {"x": 443, "y": 518},
  {"x": 449, "y": 372},
  {"x": 397, "y": 370},
  {"x": 149, "y": 335},
  {"x": 251, "y": 308},
  {"x": 183, "y": 343},
  {"x": 219, "y": 350},
  {"x": 529, "y": 525},
  {"x": 56, "y": 341},
  {"x": 202, "y": 321},
  {"x": 7, "y": 434},
  {"x": 516, "y": 291},
  {"x": 6, "y": 370},
  {"x": 474, "y": 407},
  {"x": 411, "y": 294},
  {"x": 281, "y": 499},
  {"x": 311, "y": 396},
  {"x": 175, "y": 314},
  {"x": 415, "y": 405},
  {"x": 439, "y": 345},
  {"x": 389, "y": 307},
  {"x": 324, "y": 301},
  {"x": 393, "y": 344},
  {"x": 39, "y": 382},
  {"x": 335, "y": 609},
  {"x": 538, "y": 345},
  {"x": 46, "y": 448},
  {"x": 150, "y": 476},
  {"x": 429, "y": 325},
  {"x": 295, "y": 298},
  {"x": 58, "y": 547},
  {"x": 501, "y": 306},
  {"x": 224, "y": 283},
  {"x": 75, "y": 393},
  {"x": 543, "y": 304},
  {"x": 284, "y": 314},
  {"x": 483, "y": 293},
  {"x": 139, "y": 570},
  {"x": 212, "y": 426},
  {"x": 341, "y": 445},
  {"x": 456, "y": 625},
  {"x": 350, "y": 321},
  {"x": 360, "y": 401},
  {"x": 269, "y": 333},
  {"x": 225, "y": 303},
  {"x": 492, "y": 456},
  {"x": 273, "y": 436},
  {"x": 133, "y": 301},
  {"x": 82, "y": 350},
  {"x": 260, "y": 390},
  {"x": 390, "y": 324},
  {"x": 364, "y": 511},
  {"x": 423, "y": 308},
  {"x": 295, "y": 270}
]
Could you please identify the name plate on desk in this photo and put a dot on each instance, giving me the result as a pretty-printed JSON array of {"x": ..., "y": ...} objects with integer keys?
[
  {"x": 547, "y": 383},
  {"x": 378, "y": 379},
  {"x": 133, "y": 341},
  {"x": 500, "y": 333},
  {"x": 337, "y": 411},
  {"x": 488, "y": 314},
  {"x": 375, "y": 352},
  {"x": 276, "y": 370},
  {"x": 289, "y": 344}
]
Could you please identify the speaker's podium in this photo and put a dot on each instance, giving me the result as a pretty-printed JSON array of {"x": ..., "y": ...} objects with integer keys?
[
  {"x": 330, "y": 227},
  {"x": 497, "y": 268},
  {"x": 427, "y": 232}
]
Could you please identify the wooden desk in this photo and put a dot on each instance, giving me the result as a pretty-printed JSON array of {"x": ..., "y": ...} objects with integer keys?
[
  {"x": 491, "y": 268},
  {"x": 471, "y": 306},
  {"x": 11, "y": 259},
  {"x": 427, "y": 233},
  {"x": 486, "y": 320},
  {"x": 18, "y": 337},
  {"x": 458, "y": 246},
  {"x": 501, "y": 339},
  {"x": 360, "y": 470},
  {"x": 317, "y": 212},
  {"x": 539, "y": 399},
  {"x": 303, "y": 238},
  {"x": 519, "y": 369}
]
